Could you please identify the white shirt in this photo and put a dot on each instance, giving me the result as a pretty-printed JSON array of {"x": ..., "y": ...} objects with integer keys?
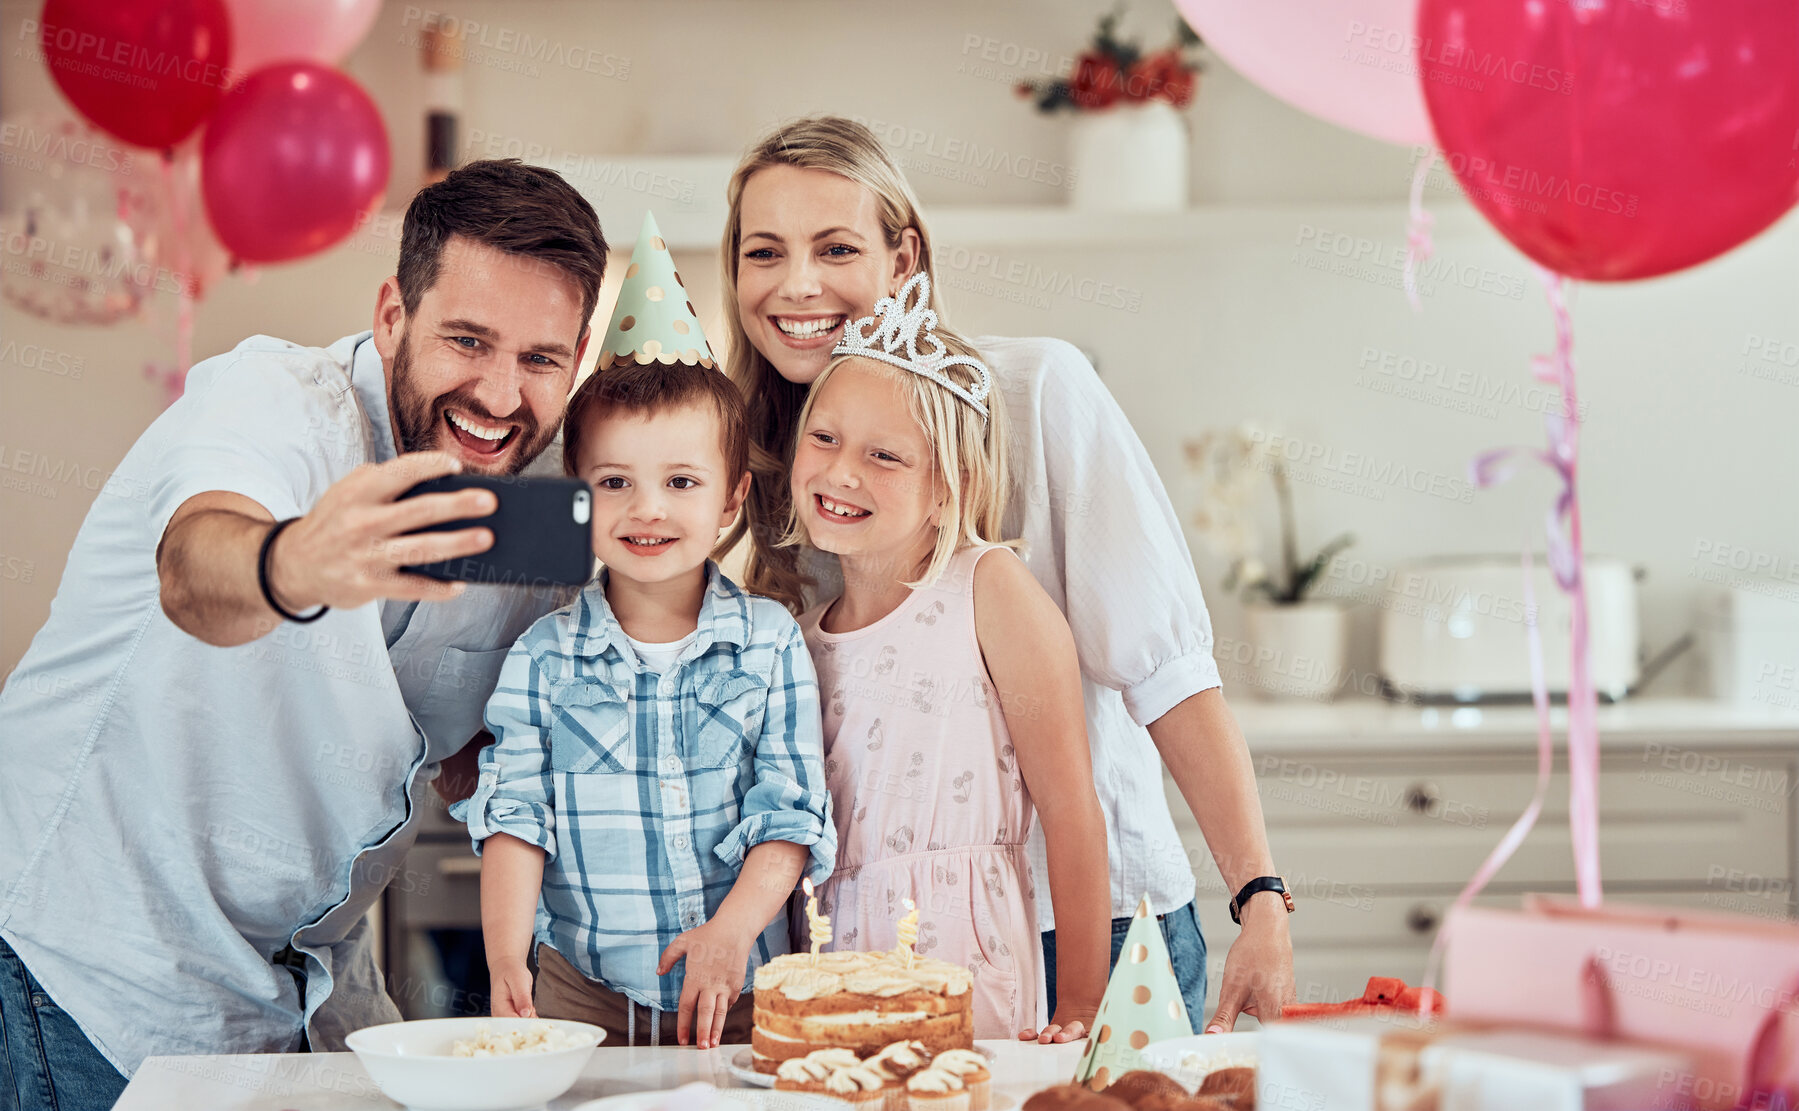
[
  {"x": 172, "y": 813},
  {"x": 1104, "y": 542},
  {"x": 659, "y": 656}
]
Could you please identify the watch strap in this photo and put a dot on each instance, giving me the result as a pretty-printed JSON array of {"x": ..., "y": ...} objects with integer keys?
[{"x": 1256, "y": 887}]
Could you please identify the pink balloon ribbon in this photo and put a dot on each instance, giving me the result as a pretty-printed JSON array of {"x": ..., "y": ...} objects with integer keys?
[
  {"x": 1418, "y": 245},
  {"x": 1566, "y": 562},
  {"x": 1514, "y": 837}
]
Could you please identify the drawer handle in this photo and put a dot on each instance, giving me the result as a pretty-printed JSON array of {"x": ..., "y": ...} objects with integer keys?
[
  {"x": 1422, "y": 919},
  {"x": 459, "y": 866},
  {"x": 1423, "y": 797}
]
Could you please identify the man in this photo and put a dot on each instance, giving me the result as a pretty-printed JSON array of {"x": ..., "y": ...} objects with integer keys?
[{"x": 202, "y": 795}]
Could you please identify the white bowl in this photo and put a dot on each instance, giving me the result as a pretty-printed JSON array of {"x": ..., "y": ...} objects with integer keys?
[
  {"x": 410, "y": 1062},
  {"x": 1189, "y": 1059}
]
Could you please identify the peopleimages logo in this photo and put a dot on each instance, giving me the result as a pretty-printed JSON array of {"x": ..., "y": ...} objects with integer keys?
[{"x": 124, "y": 62}]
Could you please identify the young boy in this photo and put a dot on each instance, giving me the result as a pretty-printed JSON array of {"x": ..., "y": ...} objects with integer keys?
[{"x": 656, "y": 786}]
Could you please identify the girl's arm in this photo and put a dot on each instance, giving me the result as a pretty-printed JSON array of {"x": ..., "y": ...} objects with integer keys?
[
  {"x": 1031, "y": 658},
  {"x": 511, "y": 877}
]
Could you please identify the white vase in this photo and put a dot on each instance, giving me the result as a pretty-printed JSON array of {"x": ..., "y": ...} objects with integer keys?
[
  {"x": 1296, "y": 651},
  {"x": 1129, "y": 158}
]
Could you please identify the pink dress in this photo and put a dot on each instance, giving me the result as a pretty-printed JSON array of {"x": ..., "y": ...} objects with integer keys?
[{"x": 928, "y": 799}]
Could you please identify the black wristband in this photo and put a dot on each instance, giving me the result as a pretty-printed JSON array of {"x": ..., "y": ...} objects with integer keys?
[
  {"x": 262, "y": 576},
  {"x": 1256, "y": 887}
]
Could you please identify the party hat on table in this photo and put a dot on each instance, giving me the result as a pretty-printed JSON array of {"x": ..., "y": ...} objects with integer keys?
[
  {"x": 654, "y": 320},
  {"x": 1142, "y": 1004}
]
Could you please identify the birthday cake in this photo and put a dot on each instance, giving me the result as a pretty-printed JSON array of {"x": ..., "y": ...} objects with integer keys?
[{"x": 860, "y": 1002}]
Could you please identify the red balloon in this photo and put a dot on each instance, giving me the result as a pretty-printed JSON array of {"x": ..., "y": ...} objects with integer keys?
[
  {"x": 1617, "y": 139},
  {"x": 146, "y": 70},
  {"x": 291, "y": 161}
]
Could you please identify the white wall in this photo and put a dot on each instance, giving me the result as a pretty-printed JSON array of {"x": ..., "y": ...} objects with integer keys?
[{"x": 1682, "y": 447}]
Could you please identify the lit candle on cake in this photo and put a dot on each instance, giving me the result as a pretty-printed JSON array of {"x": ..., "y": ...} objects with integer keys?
[
  {"x": 908, "y": 931},
  {"x": 819, "y": 924}
]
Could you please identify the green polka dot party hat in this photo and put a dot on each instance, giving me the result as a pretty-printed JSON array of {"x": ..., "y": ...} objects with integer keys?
[
  {"x": 1142, "y": 1004},
  {"x": 654, "y": 320}
]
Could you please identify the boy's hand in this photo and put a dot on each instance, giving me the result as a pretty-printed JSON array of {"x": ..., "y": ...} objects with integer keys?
[
  {"x": 716, "y": 958},
  {"x": 511, "y": 991}
]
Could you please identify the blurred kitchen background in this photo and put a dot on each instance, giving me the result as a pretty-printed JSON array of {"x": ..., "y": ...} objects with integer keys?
[{"x": 1268, "y": 312}]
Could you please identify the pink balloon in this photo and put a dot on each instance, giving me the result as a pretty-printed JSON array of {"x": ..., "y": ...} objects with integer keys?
[
  {"x": 292, "y": 160},
  {"x": 264, "y": 31},
  {"x": 1618, "y": 139},
  {"x": 1351, "y": 62}
]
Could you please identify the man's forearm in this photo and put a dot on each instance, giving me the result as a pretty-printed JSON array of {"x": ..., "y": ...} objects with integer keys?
[
  {"x": 207, "y": 571},
  {"x": 1204, "y": 749}
]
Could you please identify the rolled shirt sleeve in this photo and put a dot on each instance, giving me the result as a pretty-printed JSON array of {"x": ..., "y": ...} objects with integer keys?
[
  {"x": 789, "y": 800},
  {"x": 1131, "y": 595},
  {"x": 256, "y": 422},
  {"x": 516, "y": 789}
]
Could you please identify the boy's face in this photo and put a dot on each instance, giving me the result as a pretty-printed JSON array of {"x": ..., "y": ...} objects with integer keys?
[{"x": 660, "y": 490}]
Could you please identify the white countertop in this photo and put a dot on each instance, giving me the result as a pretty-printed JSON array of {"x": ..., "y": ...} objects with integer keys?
[
  {"x": 1369, "y": 724},
  {"x": 320, "y": 1081}
]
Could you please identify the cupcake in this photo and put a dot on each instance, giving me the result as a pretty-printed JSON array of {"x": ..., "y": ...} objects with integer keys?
[
  {"x": 936, "y": 1089},
  {"x": 809, "y": 1073},
  {"x": 1137, "y": 1084},
  {"x": 1073, "y": 1097},
  {"x": 971, "y": 1068},
  {"x": 901, "y": 1059},
  {"x": 1238, "y": 1084},
  {"x": 859, "y": 1086},
  {"x": 896, "y": 1062}
]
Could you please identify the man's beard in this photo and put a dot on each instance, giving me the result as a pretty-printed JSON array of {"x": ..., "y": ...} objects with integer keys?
[{"x": 420, "y": 425}]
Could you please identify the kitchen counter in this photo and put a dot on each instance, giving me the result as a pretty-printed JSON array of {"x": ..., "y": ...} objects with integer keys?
[
  {"x": 317, "y": 1081},
  {"x": 1365, "y": 724}
]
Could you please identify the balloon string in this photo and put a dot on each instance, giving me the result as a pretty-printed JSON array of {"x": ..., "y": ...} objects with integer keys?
[
  {"x": 1566, "y": 556},
  {"x": 1514, "y": 837},
  {"x": 1418, "y": 245}
]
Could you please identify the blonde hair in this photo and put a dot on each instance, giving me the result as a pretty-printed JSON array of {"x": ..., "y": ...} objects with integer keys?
[
  {"x": 847, "y": 149},
  {"x": 968, "y": 464}
]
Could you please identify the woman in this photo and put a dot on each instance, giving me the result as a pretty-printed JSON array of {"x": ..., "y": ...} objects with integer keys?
[{"x": 822, "y": 224}]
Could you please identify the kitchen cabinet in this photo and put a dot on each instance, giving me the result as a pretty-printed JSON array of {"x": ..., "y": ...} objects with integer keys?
[{"x": 1378, "y": 813}]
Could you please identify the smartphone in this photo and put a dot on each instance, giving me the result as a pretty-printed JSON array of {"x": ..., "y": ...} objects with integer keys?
[{"x": 542, "y": 533}]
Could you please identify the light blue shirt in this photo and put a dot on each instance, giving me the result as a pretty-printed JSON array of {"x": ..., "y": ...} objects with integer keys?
[
  {"x": 647, "y": 786},
  {"x": 171, "y": 813}
]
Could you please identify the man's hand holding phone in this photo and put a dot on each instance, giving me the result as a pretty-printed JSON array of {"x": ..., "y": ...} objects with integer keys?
[{"x": 351, "y": 547}]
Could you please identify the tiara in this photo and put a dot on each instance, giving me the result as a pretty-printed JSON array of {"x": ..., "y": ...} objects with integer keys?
[{"x": 902, "y": 331}]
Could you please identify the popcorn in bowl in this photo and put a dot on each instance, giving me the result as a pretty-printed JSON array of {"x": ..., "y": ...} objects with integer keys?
[{"x": 541, "y": 1038}]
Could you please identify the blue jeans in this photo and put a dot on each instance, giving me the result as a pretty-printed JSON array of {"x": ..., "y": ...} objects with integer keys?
[
  {"x": 46, "y": 1062},
  {"x": 1186, "y": 951}
]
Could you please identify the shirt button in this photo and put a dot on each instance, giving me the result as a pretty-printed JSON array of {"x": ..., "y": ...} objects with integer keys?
[
  {"x": 690, "y": 920},
  {"x": 671, "y": 763},
  {"x": 668, "y": 686},
  {"x": 680, "y": 841}
]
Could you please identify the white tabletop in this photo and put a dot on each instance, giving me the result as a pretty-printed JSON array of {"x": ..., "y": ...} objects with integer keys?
[{"x": 336, "y": 1081}]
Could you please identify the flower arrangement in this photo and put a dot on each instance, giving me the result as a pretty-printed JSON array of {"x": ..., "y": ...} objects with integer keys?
[
  {"x": 1230, "y": 465},
  {"x": 1113, "y": 71}
]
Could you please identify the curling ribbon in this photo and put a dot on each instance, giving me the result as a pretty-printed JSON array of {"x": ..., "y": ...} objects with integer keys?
[
  {"x": 1418, "y": 245},
  {"x": 1566, "y": 559}
]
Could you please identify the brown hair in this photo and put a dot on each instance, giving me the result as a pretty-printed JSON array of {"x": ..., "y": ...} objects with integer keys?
[
  {"x": 653, "y": 388},
  {"x": 848, "y": 149},
  {"x": 525, "y": 211}
]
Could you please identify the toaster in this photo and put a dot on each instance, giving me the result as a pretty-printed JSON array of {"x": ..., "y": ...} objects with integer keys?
[{"x": 1452, "y": 629}]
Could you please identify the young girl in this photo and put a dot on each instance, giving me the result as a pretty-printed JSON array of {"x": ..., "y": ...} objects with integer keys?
[
  {"x": 821, "y": 225},
  {"x": 949, "y": 679}
]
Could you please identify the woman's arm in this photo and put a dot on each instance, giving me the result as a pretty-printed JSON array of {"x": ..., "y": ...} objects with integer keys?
[
  {"x": 511, "y": 878},
  {"x": 1205, "y": 752},
  {"x": 1031, "y": 659},
  {"x": 1141, "y": 627}
]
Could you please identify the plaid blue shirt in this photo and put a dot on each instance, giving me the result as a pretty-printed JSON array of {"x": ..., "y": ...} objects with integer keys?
[{"x": 646, "y": 789}]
